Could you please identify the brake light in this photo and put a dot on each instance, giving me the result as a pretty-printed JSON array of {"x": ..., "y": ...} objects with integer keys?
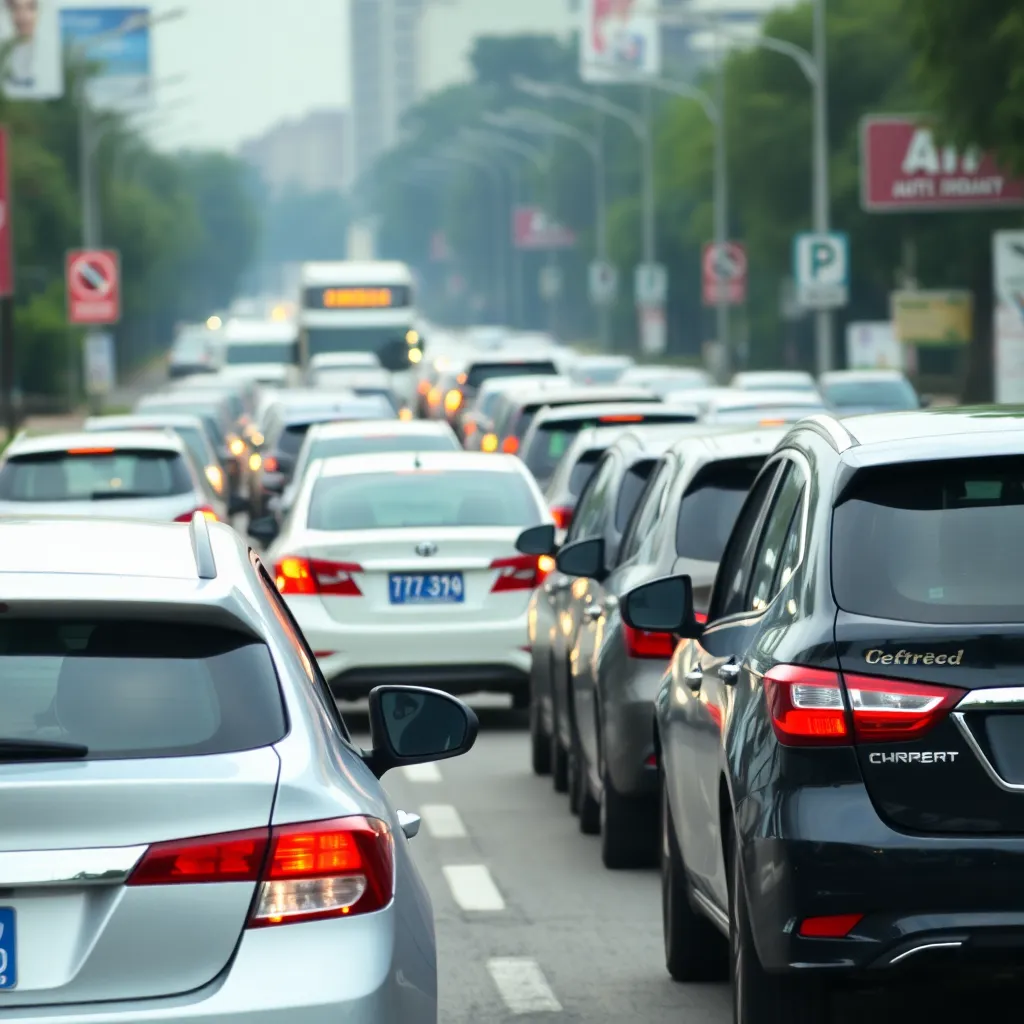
[
  {"x": 521, "y": 572},
  {"x": 835, "y": 926},
  {"x": 305, "y": 872},
  {"x": 642, "y": 644},
  {"x": 808, "y": 709},
  {"x": 270, "y": 464},
  {"x": 621, "y": 418},
  {"x": 208, "y": 514},
  {"x": 295, "y": 575},
  {"x": 510, "y": 445},
  {"x": 90, "y": 451},
  {"x": 468, "y": 428},
  {"x": 562, "y": 515},
  {"x": 423, "y": 387},
  {"x": 701, "y": 618}
]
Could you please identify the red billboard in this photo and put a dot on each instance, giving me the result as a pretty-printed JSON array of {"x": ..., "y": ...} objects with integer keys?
[
  {"x": 904, "y": 167},
  {"x": 532, "y": 228},
  {"x": 6, "y": 242}
]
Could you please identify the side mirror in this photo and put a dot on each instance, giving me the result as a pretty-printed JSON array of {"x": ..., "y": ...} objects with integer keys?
[
  {"x": 584, "y": 558},
  {"x": 411, "y": 725},
  {"x": 264, "y": 529},
  {"x": 237, "y": 504},
  {"x": 537, "y": 540},
  {"x": 273, "y": 483},
  {"x": 662, "y": 606}
]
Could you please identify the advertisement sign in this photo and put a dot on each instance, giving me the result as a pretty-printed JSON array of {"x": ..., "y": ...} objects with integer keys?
[
  {"x": 724, "y": 274},
  {"x": 873, "y": 345},
  {"x": 619, "y": 39},
  {"x": 821, "y": 267},
  {"x": 100, "y": 364},
  {"x": 603, "y": 279},
  {"x": 30, "y": 36},
  {"x": 932, "y": 318},
  {"x": 653, "y": 335},
  {"x": 903, "y": 168},
  {"x": 650, "y": 284},
  {"x": 6, "y": 242},
  {"x": 1008, "y": 356},
  {"x": 93, "y": 280},
  {"x": 116, "y": 41},
  {"x": 532, "y": 228}
]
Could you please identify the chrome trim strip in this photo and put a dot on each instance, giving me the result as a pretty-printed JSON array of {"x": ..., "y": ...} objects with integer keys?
[
  {"x": 994, "y": 698},
  {"x": 952, "y": 944},
  {"x": 68, "y": 867},
  {"x": 719, "y": 919},
  {"x": 965, "y": 730}
]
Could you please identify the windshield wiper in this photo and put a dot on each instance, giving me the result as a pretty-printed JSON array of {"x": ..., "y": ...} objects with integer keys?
[
  {"x": 13, "y": 749},
  {"x": 110, "y": 495}
]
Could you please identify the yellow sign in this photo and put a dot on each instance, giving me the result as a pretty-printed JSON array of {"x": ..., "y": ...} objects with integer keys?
[
  {"x": 932, "y": 318},
  {"x": 357, "y": 298}
]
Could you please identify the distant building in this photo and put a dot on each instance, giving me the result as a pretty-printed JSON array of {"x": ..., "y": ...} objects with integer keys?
[{"x": 309, "y": 153}]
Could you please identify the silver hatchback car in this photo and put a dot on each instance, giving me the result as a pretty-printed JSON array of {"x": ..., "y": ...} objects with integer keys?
[{"x": 187, "y": 831}]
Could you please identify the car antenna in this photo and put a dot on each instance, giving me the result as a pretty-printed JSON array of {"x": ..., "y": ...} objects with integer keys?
[{"x": 416, "y": 464}]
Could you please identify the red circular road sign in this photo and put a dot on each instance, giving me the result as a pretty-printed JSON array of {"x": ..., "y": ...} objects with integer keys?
[
  {"x": 92, "y": 275},
  {"x": 725, "y": 263}
]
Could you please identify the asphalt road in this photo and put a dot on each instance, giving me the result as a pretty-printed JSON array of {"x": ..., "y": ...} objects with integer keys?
[{"x": 531, "y": 927}]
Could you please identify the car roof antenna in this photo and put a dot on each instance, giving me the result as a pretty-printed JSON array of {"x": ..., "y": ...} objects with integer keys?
[{"x": 416, "y": 464}]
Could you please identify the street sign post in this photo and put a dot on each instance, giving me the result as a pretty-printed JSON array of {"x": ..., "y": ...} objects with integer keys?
[
  {"x": 100, "y": 364},
  {"x": 724, "y": 274},
  {"x": 93, "y": 286},
  {"x": 550, "y": 282},
  {"x": 651, "y": 284},
  {"x": 604, "y": 283},
  {"x": 821, "y": 268},
  {"x": 1008, "y": 272}
]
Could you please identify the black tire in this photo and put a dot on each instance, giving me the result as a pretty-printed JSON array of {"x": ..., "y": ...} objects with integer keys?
[
  {"x": 540, "y": 743},
  {"x": 757, "y": 996},
  {"x": 629, "y": 830},
  {"x": 521, "y": 700},
  {"x": 559, "y": 765},
  {"x": 695, "y": 950}
]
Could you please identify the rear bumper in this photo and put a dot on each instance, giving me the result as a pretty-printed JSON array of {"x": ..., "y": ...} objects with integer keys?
[
  {"x": 929, "y": 903},
  {"x": 317, "y": 973}
]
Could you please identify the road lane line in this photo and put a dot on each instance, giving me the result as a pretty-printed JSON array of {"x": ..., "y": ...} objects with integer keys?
[
  {"x": 428, "y": 772},
  {"x": 442, "y": 821},
  {"x": 472, "y": 887},
  {"x": 522, "y": 985}
]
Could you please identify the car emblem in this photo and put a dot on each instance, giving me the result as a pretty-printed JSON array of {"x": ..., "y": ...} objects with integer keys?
[{"x": 426, "y": 548}]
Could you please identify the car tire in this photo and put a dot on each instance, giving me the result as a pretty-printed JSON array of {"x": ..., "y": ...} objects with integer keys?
[
  {"x": 520, "y": 700},
  {"x": 628, "y": 829},
  {"x": 757, "y": 996},
  {"x": 540, "y": 742},
  {"x": 559, "y": 765},
  {"x": 695, "y": 950}
]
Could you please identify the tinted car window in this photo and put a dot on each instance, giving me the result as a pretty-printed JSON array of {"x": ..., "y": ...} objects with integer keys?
[
  {"x": 646, "y": 515},
  {"x": 633, "y": 484},
  {"x": 329, "y": 447},
  {"x": 755, "y": 414},
  {"x": 137, "y": 689},
  {"x": 710, "y": 506},
  {"x": 489, "y": 371},
  {"x": 241, "y": 354},
  {"x": 882, "y": 394},
  {"x": 934, "y": 542},
  {"x": 773, "y": 537},
  {"x": 373, "y": 501},
  {"x": 582, "y": 471},
  {"x": 63, "y": 476}
]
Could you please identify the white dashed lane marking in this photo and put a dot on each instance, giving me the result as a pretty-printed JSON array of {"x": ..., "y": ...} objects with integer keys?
[
  {"x": 522, "y": 985},
  {"x": 428, "y": 772},
  {"x": 442, "y": 821},
  {"x": 473, "y": 888}
]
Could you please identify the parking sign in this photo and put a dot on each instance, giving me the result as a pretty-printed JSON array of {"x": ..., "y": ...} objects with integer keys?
[{"x": 821, "y": 268}]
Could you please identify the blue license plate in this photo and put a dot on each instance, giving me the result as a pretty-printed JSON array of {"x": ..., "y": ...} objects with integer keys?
[
  {"x": 8, "y": 949},
  {"x": 426, "y": 588}
]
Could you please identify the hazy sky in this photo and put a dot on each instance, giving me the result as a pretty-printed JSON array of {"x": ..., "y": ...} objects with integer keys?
[{"x": 247, "y": 64}]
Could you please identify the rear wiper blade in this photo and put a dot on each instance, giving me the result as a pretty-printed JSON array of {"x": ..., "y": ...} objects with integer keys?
[
  {"x": 14, "y": 749},
  {"x": 109, "y": 495}
]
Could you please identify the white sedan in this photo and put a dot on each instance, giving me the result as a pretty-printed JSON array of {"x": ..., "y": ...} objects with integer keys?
[{"x": 402, "y": 566}]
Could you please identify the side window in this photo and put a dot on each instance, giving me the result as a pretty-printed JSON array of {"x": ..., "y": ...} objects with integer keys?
[
  {"x": 734, "y": 571},
  {"x": 790, "y": 549},
  {"x": 631, "y": 490},
  {"x": 773, "y": 537},
  {"x": 646, "y": 515},
  {"x": 587, "y": 520}
]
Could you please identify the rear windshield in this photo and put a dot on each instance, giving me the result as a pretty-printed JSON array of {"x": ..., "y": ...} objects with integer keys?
[
  {"x": 936, "y": 542},
  {"x": 204, "y": 410},
  {"x": 757, "y": 413},
  {"x": 422, "y": 499},
  {"x": 106, "y": 475},
  {"x": 240, "y": 354},
  {"x": 190, "y": 346},
  {"x": 583, "y": 471},
  {"x": 489, "y": 371},
  {"x": 385, "y": 394},
  {"x": 633, "y": 484},
  {"x": 365, "y": 445},
  {"x": 881, "y": 394},
  {"x": 609, "y": 374},
  {"x": 136, "y": 689},
  {"x": 710, "y": 506}
]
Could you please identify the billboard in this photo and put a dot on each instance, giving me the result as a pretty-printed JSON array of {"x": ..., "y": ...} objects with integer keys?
[
  {"x": 30, "y": 36},
  {"x": 904, "y": 169},
  {"x": 115, "y": 40},
  {"x": 619, "y": 40},
  {"x": 1008, "y": 355},
  {"x": 932, "y": 317},
  {"x": 532, "y": 228}
]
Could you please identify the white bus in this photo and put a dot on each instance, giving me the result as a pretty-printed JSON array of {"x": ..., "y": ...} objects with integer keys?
[{"x": 355, "y": 306}]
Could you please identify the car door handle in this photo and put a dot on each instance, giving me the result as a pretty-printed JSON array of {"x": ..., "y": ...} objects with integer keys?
[
  {"x": 611, "y": 602},
  {"x": 410, "y": 824},
  {"x": 593, "y": 612},
  {"x": 695, "y": 677},
  {"x": 730, "y": 671}
]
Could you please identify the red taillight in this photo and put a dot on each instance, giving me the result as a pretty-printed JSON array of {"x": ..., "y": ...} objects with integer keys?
[
  {"x": 562, "y": 515},
  {"x": 270, "y": 464},
  {"x": 701, "y": 618},
  {"x": 510, "y": 445},
  {"x": 208, "y": 513},
  {"x": 305, "y": 872},
  {"x": 295, "y": 575},
  {"x": 808, "y": 709},
  {"x": 836, "y": 926},
  {"x": 641, "y": 644},
  {"x": 521, "y": 572}
]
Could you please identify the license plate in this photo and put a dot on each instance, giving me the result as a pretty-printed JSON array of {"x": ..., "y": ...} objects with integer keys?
[
  {"x": 426, "y": 588},
  {"x": 8, "y": 949}
]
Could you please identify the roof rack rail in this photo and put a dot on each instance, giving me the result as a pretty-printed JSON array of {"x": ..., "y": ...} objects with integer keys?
[
  {"x": 832, "y": 430},
  {"x": 202, "y": 547}
]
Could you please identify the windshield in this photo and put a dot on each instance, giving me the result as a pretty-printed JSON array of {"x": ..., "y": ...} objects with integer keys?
[
  {"x": 137, "y": 689},
  {"x": 191, "y": 346},
  {"x": 422, "y": 499},
  {"x": 101, "y": 474},
  {"x": 881, "y": 395},
  {"x": 755, "y": 414},
  {"x": 241, "y": 354},
  {"x": 369, "y": 445},
  {"x": 598, "y": 374},
  {"x": 710, "y": 506},
  {"x": 320, "y": 340},
  {"x": 490, "y": 371}
]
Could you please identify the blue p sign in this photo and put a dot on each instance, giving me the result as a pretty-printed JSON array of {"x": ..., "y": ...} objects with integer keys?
[{"x": 823, "y": 255}]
